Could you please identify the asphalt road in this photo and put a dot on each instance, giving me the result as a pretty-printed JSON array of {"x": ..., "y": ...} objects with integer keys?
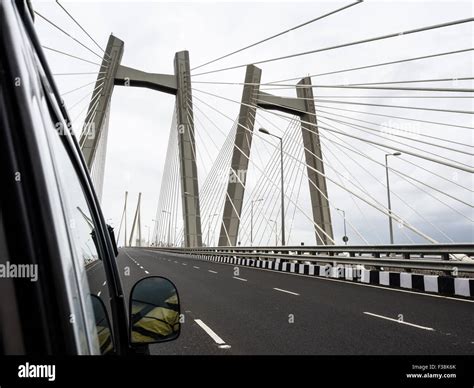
[{"x": 255, "y": 311}]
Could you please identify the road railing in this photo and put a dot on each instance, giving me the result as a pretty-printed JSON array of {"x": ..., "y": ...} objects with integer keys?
[{"x": 446, "y": 258}]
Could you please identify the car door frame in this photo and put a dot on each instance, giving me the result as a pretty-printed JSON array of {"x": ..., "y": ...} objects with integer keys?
[
  {"x": 39, "y": 214},
  {"x": 119, "y": 317}
]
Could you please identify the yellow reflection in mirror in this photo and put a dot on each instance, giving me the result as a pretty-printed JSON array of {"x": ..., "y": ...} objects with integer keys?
[{"x": 153, "y": 323}]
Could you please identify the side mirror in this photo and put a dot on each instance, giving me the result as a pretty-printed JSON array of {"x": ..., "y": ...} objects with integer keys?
[
  {"x": 154, "y": 311},
  {"x": 112, "y": 238},
  {"x": 102, "y": 324}
]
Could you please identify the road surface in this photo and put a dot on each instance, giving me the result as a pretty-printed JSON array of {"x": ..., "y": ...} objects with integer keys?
[{"x": 238, "y": 310}]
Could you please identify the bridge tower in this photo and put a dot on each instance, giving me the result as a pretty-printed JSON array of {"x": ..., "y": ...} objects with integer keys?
[
  {"x": 239, "y": 162},
  {"x": 302, "y": 106},
  {"x": 111, "y": 74}
]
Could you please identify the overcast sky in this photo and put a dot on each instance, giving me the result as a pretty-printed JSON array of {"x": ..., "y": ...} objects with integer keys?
[{"x": 140, "y": 119}]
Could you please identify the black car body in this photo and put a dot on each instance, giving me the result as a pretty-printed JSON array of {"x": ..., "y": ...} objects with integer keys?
[{"x": 50, "y": 217}]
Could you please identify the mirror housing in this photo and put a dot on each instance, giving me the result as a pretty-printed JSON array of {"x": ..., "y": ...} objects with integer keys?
[
  {"x": 112, "y": 239},
  {"x": 154, "y": 312}
]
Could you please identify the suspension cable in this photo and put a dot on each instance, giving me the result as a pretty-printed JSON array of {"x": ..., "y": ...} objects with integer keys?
[
  {"x": 436, "y": 160},
  {"x": 82, "y": 28},
  {"x": 397, "y": 34},
  {"x": 70, "y": 55},
  {"x": 277, "y": 35}
]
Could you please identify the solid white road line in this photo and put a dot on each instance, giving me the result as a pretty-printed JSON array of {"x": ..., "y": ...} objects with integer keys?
[
  {"x": 288, "y": 292},
  {"x": 130, "y": 257},
  {"x": 195, "y": 267},
  {"x": 218, "y": 340},
  {"x": 211, "y": 271},
  {"x": 235, "y": 277},
  {"x": 399, "y": 321}
]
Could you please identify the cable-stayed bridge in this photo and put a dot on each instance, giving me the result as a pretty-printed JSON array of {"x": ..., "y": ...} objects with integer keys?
[
  {"x": 304, "y": 134},
  {"x": 325, "y": 174}
]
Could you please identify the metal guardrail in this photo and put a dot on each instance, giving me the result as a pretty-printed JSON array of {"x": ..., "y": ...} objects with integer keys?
[{"x": 442, "y": 257}]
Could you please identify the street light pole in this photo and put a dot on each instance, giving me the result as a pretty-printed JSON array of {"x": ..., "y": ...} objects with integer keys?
[
  {"x": 148, "y": 240},
  {"x": 345, "y": 238},
  {"x": 169, "y": 225},
  {"x": 266, "y": 132},
  {"x": 209, "y": 228},
  {"x": 283, "y": 242},
  {"x": 251, "y": 218},
  {"x": 390, "y": 222},
  {"x": 276, "y": 232},
  {"x": 156, "y": 236}
]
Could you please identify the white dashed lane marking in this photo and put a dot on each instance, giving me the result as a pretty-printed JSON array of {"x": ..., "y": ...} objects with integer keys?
[
  {"x": 399, "y": 321},
  {"x": 211, "y": 271},
  {"x": 218, "y": 340},
  {"x": 288, "y": 292}
]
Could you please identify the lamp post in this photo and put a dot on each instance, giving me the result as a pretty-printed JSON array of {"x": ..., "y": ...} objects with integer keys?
[
  {"x": 251, "y": 218},
  {"x": 390, "y": 223},
  {"x": 209, "y": 228},
  {"x": 276, "y": 231},
  {"x": 169, "y": 225},
  {"x": 344, "y": 238},
  {"x": 156, "y": 235},
  {"x": 266, "y": 132},
  {"x": 148, "y": 240}
]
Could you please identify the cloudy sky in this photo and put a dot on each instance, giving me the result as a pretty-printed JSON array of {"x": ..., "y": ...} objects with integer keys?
[{"x": 140, "y": 119}]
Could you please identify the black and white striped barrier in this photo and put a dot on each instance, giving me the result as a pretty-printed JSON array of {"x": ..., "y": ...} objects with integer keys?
[{"x": 444, "y": 285}]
